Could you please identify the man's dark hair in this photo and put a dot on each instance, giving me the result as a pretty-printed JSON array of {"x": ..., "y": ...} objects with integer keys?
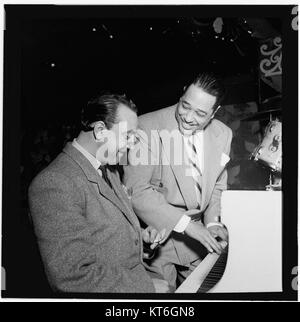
[
  {"x": 210, "y": 84},
  {"x": 104, "y": 108}
]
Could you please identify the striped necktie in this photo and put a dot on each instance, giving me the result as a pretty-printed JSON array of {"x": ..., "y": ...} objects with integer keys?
[{"x": 196, "y": 172}]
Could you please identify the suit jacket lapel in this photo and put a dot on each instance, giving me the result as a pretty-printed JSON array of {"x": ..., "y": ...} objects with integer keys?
[
  {"x": 181, "y": 171},
  {"x": 186, "y": 185},
  {"x": 94, "y": 177}
]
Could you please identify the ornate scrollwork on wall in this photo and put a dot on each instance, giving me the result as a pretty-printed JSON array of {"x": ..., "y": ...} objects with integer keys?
[
  {"x": 271, "y": 65},
  {"x": 295, "y": 19}
]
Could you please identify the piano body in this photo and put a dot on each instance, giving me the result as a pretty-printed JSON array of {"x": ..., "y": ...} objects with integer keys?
[{"x": 254, "y": 257}]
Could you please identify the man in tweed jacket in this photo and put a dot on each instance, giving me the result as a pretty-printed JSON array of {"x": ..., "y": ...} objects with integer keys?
[{"x": 89, "y": 237}]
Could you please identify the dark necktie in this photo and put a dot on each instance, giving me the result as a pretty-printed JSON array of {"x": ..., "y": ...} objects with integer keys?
[{"x": 103, "y": 169}]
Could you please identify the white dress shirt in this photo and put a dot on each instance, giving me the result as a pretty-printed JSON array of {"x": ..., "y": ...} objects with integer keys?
[{"x": 95, "y": 163}]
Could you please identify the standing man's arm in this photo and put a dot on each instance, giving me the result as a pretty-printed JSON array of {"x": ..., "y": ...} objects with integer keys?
[
  {"x": 213, "y": 212},
  {"x": 151, "y": 206}
]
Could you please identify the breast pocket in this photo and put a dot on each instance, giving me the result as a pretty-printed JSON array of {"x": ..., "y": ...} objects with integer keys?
[{"x": 158, "y": 186}]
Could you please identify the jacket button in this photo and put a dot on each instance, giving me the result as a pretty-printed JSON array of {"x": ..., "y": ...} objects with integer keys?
[{"x": 136, "y": 241}]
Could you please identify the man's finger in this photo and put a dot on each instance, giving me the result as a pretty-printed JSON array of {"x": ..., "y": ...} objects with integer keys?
[
  {"x": 157, "y": 238},
  {"x": 161, "y": 237},
  {"x": 153, "y": 235},
  {"x": 146, "y": 237},
  {"x": 153, "y": 245},
  {"x": 225, "y": 231},
  {"x": 163, "y": 233},
  {"x": 146, "y": 256},
  {"x": 215, "y": 245},
  {"x": 221, "y": 233},
  {"x": 223, "y": 244},
  {"x": 206, "y": 244}
]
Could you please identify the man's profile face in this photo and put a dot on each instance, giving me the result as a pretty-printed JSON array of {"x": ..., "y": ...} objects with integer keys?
[
  {"x": 119, "y": 137},
  {"x": 194, "y": 110}
]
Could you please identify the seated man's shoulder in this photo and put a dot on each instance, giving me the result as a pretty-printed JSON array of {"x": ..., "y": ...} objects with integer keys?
[{"x": 59, "y": 171}]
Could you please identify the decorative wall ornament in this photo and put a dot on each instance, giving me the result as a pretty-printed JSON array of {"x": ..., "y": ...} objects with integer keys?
[
  {"x": 295, "y": 19},
  {"x": 271, "y": 65}
]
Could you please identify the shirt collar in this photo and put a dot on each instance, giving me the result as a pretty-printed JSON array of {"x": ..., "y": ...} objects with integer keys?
[
  {"x": 197, "y": 136},
  {"x": 95, "y": 163}
]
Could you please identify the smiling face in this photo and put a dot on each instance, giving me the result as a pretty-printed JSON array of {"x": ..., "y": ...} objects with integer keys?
[{"x": 194, "y": 110}]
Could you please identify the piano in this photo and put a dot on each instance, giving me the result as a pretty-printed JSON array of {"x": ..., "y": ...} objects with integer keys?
[{"x": 252, "y": 261}]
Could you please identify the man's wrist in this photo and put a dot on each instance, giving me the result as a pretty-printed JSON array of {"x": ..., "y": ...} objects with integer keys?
[
  {"x": 182, "y": 224},
  {"x": 214, "y": 224}
]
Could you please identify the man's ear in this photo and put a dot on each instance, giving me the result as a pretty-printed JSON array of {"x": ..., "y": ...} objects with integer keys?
[{"x": 99, "y": 128}]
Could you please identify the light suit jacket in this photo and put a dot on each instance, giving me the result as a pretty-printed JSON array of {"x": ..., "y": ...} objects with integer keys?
[
  {"x": 89, "y": 237},
  {"x": 161, "y": 193}
]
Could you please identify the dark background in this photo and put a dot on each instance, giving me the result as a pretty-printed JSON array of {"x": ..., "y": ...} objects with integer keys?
[{"x": 58, "y": 57}]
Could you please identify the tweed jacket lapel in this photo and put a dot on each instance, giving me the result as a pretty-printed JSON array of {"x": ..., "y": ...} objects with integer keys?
[
  {"x": 123, "y": 197},
  {"x": 94, "y": 177}
]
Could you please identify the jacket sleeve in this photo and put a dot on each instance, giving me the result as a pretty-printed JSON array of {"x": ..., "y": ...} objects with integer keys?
[
  {"x": 66, "y": 244},
  {"x": 214, "y": 207},
  {"x": 140, "y": 176}
]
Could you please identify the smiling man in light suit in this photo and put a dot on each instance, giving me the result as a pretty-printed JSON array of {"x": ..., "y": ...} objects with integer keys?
[
  {"x": 183, "y": 194},
  {"x": 88, "y": 234}
]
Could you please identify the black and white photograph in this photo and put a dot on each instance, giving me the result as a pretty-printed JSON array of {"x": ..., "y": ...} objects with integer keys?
[{"x": 150, "y": 152}]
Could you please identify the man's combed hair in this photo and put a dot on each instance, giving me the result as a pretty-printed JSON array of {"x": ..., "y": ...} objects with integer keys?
[
  {"x": 104, "y": 108},
  {"x": 212, "y": 85}
]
